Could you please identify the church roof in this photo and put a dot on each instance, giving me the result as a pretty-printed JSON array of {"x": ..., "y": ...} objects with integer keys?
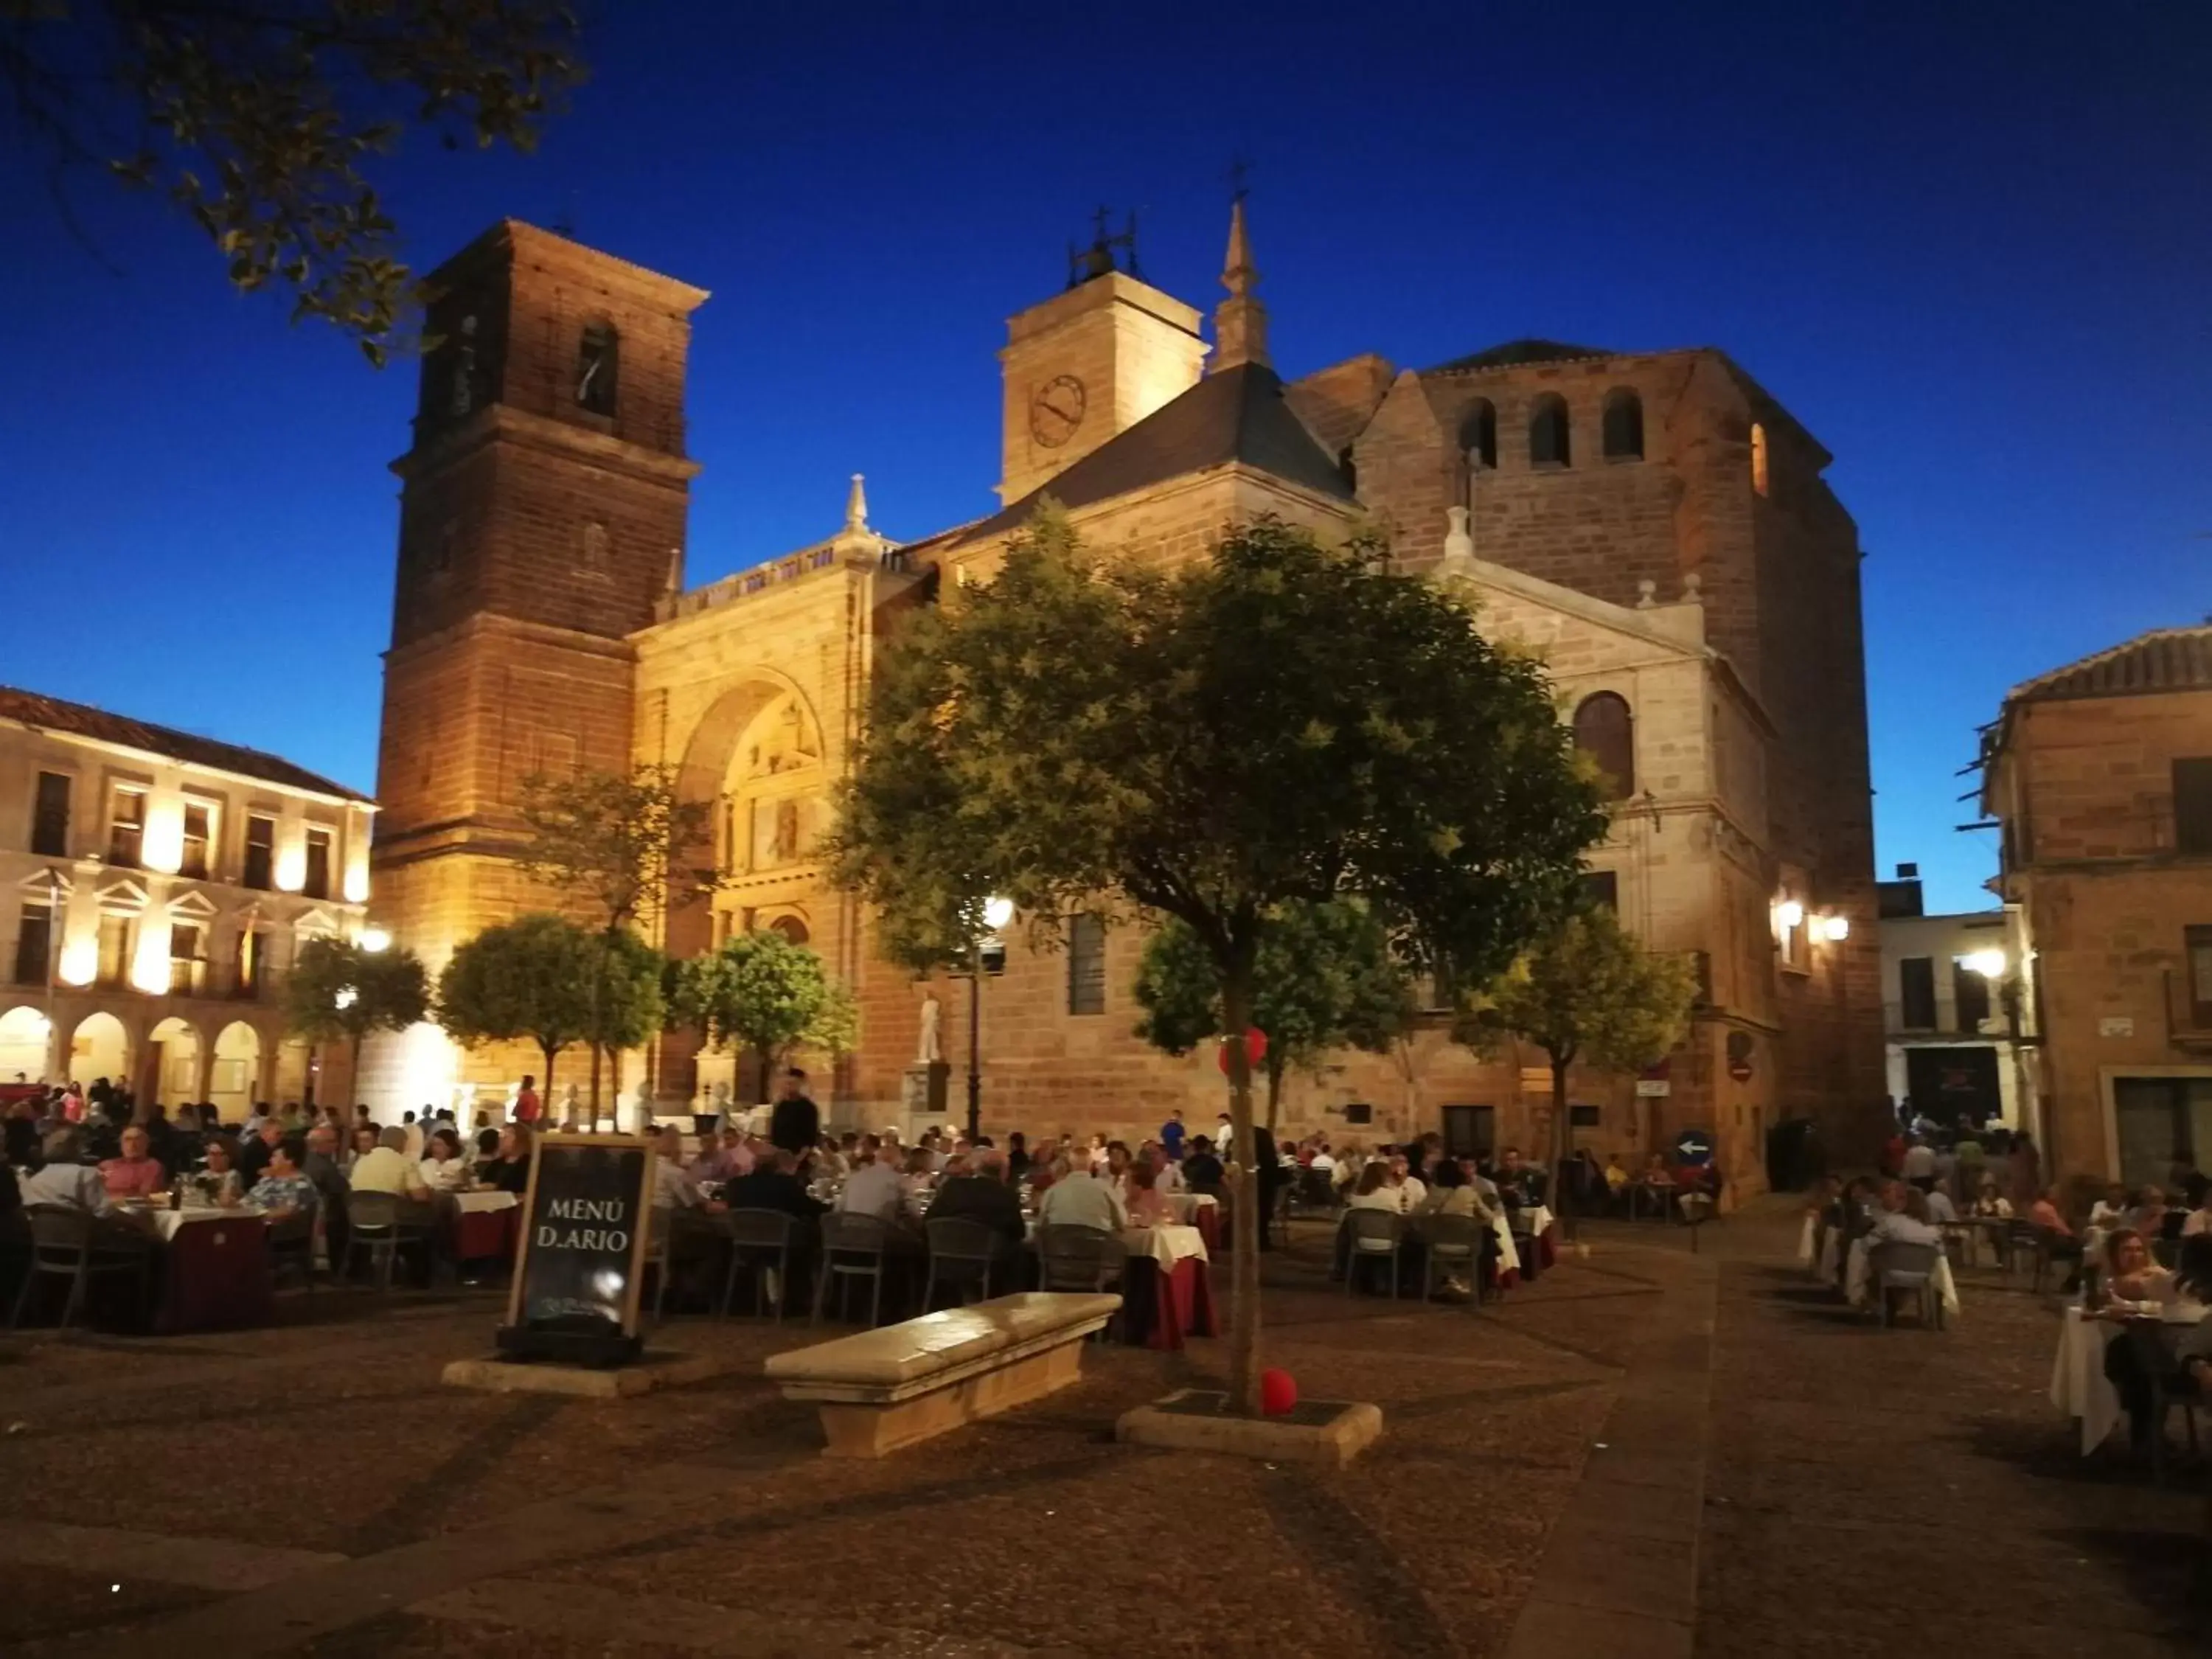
[
  {"x": 1514, "y": 353},
  {"x": 47, "y": 714},
  {"x": 2164, "y": 659},
  {"x": 1237, "y": 414}
]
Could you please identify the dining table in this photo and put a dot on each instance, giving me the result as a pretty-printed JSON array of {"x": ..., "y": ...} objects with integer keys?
[
  {"x": 1856, "y": 1289},
  {"x": 1537, "y": 1225},
  {"x": 486, "y": 1225},
  {"x": 1167, "y": 1286},
  {"x": 214, "y": 1267},
  {"x": 2079, "y": 1387}
]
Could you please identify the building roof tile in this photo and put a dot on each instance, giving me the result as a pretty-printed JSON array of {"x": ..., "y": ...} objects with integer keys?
[
  {"x": 33, "y": 708},
  {"x": 2164, "y": 659}
]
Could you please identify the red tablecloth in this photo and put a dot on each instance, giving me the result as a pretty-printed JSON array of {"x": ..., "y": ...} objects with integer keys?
[
  {"x": 1158, "y": 1310},
  {"x": 1206, "y": 1217},
  {"x": 215, "y": 1275},
  {"x": 480, "y": 1235}
]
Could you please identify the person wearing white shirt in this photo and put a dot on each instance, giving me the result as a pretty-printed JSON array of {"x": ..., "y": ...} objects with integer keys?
[
  {"x": 1373, "y": 1191},
  {"x": 1079, "y": 1198},
  {"x": 1893, "y": 1225},
  {"x": 63, "y": 1181},
  {"x": 1940, "y": 1207},
  {"x": 875, "y": 1188},
  {"x": 1919, "y": 1166},
  {"x": 2111, "y": 1209}
]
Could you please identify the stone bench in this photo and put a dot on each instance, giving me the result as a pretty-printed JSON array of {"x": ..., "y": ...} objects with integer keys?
[{"x": 886, "y": 1388}]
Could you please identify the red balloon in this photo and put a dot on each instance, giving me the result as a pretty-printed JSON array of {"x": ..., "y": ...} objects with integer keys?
[
  {"x": 1279, "y": 1393},
  {"x": 1255, "y": 1050}
]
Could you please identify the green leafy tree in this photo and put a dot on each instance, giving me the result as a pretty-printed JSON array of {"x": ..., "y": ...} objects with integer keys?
[
  {"x": 763, "y": 995},
  {"x": 1276, "y": 723},
  {"x": 1587, "y": 994},
  {"x": 527, "y": 979},
  {"x": 1323, "y": 979},
  {"x": 263, "y": 123},
  {"x": 622, "y": 846},
  {"x": 337, "y": 992}
]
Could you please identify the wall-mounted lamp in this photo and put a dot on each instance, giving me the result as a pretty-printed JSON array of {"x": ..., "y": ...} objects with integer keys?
[
  {"x": 1791, "y": 915},
  {"x": 1990, "y": 964},
  {"x": 1835, "y": 929}
]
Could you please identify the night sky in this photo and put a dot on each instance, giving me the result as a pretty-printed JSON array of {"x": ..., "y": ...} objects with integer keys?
[{"x": 1966, "y": 246}]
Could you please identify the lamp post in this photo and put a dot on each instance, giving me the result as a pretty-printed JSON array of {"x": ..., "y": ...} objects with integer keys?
[{"x": 997, "y": 913}]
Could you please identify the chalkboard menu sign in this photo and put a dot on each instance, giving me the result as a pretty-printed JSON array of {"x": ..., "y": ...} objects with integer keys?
[{"x": 586, "y": 1223}]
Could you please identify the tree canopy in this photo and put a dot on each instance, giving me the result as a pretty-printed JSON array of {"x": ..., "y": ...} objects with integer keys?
[
  {"x": 543, "y": 979},
  {"x": 1279, "y": 721},
  {"x": 1323, "y": 979},
  {"x": 263, "y": 123},
  {"x": 339, "y": 992},
  {"x": 1586, "y": 993},
  {"x": 762, "y": 993},
  {"x": 621, "y": 843}
]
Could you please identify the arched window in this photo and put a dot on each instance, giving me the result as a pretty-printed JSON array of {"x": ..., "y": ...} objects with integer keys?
[
  {"x": 793, "y": 929},
  {"x": 1624, "y": 425},
  {"x": 1478, "y": 436},
  {"x": 1548, "y": 443},
  {"x": 1605, "y": 731},
  {"x": 1758, "y": 457},
  {"x": 598, "y": 358}
]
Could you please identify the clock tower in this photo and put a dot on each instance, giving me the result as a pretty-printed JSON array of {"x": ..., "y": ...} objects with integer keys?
[
  {"x": 1088, "y": 364},
  {"x": 541, "y": 515}
]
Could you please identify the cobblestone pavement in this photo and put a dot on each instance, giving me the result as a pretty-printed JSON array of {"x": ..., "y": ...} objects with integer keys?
[{"x": 1550, "y": 1483}]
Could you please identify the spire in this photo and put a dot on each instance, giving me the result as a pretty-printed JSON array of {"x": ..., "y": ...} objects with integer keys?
[
  {"x": 856, "y": 508},
  {"x": 1240, "y": 322}
]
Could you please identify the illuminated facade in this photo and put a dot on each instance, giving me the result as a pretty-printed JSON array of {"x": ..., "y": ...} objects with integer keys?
[{"x": 153, "y": 888}]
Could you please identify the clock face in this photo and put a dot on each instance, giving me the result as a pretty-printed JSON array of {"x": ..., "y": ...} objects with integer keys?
[{"x": 1056, "y": 410}]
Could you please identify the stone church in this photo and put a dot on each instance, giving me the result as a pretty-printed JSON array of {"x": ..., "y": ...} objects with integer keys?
[{"x": 1653, "y": 523}]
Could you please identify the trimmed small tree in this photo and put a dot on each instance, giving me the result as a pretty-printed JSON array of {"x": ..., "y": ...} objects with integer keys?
[
  {"x": 529, "y": 979},
  {"x": 1278, "y": 722},
  {"x": 1323, "y": 979},
  {"x": 1587, "y": 994},
  {"x": 622, "y": 846},
  {"x": 762, "y": 995},
  {"x": 338, "y": 991}
]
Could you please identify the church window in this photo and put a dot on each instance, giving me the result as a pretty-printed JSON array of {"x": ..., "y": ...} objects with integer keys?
[
  {"x": 1087, "y": 965},
  {"x": 1624, "y": 425},
  {"x": 1606, "y": 732},
  {"x": 1758, "y": 457},
  {"x": 1549, "y": 436},
  {"x": 594, "y": 549},
  {"x": 597, "y": 360},
  {"x": 1478, "y": 436},
  {"x": 793, "y": 929}
]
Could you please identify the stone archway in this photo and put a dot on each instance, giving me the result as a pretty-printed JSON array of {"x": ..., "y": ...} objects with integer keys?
[
  {"x": 26, "y": 1044},
  {"x": 99, "y": 1047},
  {"x": 236, "y": 1071},
  {"x": 169, "y": 1071}
]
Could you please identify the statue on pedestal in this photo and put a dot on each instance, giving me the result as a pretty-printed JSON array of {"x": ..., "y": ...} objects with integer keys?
[{"x": 929, "y": 1050}]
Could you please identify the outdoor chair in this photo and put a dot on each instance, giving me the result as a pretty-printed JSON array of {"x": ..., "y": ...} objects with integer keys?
[
  {"x": 852, "y": 1248},
  {"x": 1279, "y": 1216},
  {"x": 1081, "y": 1258},
  {"x": 380, "y": 1225},
  {"x": 1317, "y": 1192},
  {"x": 1372, "y": 1236},
  {"x": 760, "y": 1241},
  {"x": 2169, "y": 1387},
  {"x": 1453, "y": 1242},
  {"x": 292, "y": 1244},
  {"x": 63, "y": 1246},
  {"x": 963, "y": 1254},
  {"x": 1893, "y": 1267}
]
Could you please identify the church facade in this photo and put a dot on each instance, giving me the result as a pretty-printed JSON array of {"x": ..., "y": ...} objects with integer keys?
[{"x": 1655, "y": 525}]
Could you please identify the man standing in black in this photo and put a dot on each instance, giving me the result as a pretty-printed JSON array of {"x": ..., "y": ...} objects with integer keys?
[{"x": 795, "y": 1122}]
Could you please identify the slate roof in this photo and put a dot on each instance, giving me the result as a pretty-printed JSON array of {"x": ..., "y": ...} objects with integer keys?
[
  {"x": 80, "y": 719},
  {"x": 1238, "y": 415},
  {"x": 1514, "y": 353},
  {"x": 2164, "y": 659}
]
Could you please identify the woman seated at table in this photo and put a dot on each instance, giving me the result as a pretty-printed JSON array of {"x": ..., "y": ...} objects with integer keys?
[
  {"x": 1453, "y": 1193},
  {"x": 1141, "y": 1193},
  {"x": 1990, "y": 1203},
  {"x": 2148, "y": 1216},
  {"x": 2143, "y": 1289},
  {"x": 284, "y": 1192},
  {"x": 442, "y": 1168},
  {"x": 507, "y": 1169},
  {"x": 1375, "y": 1191},
  {"x": 218, "y": 1184},
  {"x": 2111, "y": 1210}
]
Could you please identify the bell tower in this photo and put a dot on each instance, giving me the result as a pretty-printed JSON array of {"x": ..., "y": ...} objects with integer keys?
[
  {"x": 1091, "y": 362},
  {"x": 542, "y": 514}
]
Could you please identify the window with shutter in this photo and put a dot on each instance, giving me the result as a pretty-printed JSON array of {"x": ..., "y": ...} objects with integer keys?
[
  {"x": 1087, "y": 965},
  {"x": 1916, "y": 989}
]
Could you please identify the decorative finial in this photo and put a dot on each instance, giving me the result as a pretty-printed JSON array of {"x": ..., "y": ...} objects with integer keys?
[
  {"x": 1459, "y": 545},
  {"x": 856, "y": 507},
  {"x": 1240, "y": 322},
  {"x": 671, "y": 584},
  {"x": 1646, "y": 593},
  {"x": 1693, "y": 586}
]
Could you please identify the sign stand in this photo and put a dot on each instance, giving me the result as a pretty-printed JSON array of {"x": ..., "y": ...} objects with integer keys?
[{"x": 579, "y": 1271}]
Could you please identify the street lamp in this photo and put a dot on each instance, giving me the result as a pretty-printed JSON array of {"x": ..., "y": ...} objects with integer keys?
[
  {"x": 1990, "y": 964},
  {"x": 997, "y": 913},
  {"x": 374, "y": 939}
]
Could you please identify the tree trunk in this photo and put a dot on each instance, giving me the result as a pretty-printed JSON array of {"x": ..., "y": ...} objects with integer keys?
[
  {"x": 353, "y": 1083},
  {"x": 1562, "y": 1135},
  {"x": 595, "y": 1088},
  {"x": 546, "y": 1106},
  {"x": 1246, "y": 1219}
]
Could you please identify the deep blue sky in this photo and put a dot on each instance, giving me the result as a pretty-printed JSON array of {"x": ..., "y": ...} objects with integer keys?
[{"x": 1966, "y": 245}]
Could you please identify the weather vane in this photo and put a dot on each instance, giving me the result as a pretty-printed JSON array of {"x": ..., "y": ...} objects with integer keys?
[{"x": 1097, "y": 259}]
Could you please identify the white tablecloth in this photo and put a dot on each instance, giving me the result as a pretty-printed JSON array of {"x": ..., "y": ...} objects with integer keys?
[
  {"x": 166, "y": 1222},
  {"x": 2079, "y": 1386},
  {"x": 469, "y": 1203},
  {"x": 1186, "y": 1206},
  {"x": 1165, "y": 1245},
  {"x": 1855, "y": 1279},
  {"x": 1508, "y": 1254},
  {"x": 1806, "y": 1251}
]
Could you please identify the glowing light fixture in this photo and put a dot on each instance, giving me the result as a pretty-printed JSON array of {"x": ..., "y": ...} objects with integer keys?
[
  {"x": 1790, "y": 914},
  {"x": 1835, "y": 929},
  {"x": 346, "y": 997},
  {"x": 1990, "y": 964},
  {"x": 374, "y": 939},
  {"x": 997, "y": 913}
]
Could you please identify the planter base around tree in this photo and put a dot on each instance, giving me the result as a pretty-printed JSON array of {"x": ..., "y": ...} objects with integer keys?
[{"x": 1329, "y": 1432}]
